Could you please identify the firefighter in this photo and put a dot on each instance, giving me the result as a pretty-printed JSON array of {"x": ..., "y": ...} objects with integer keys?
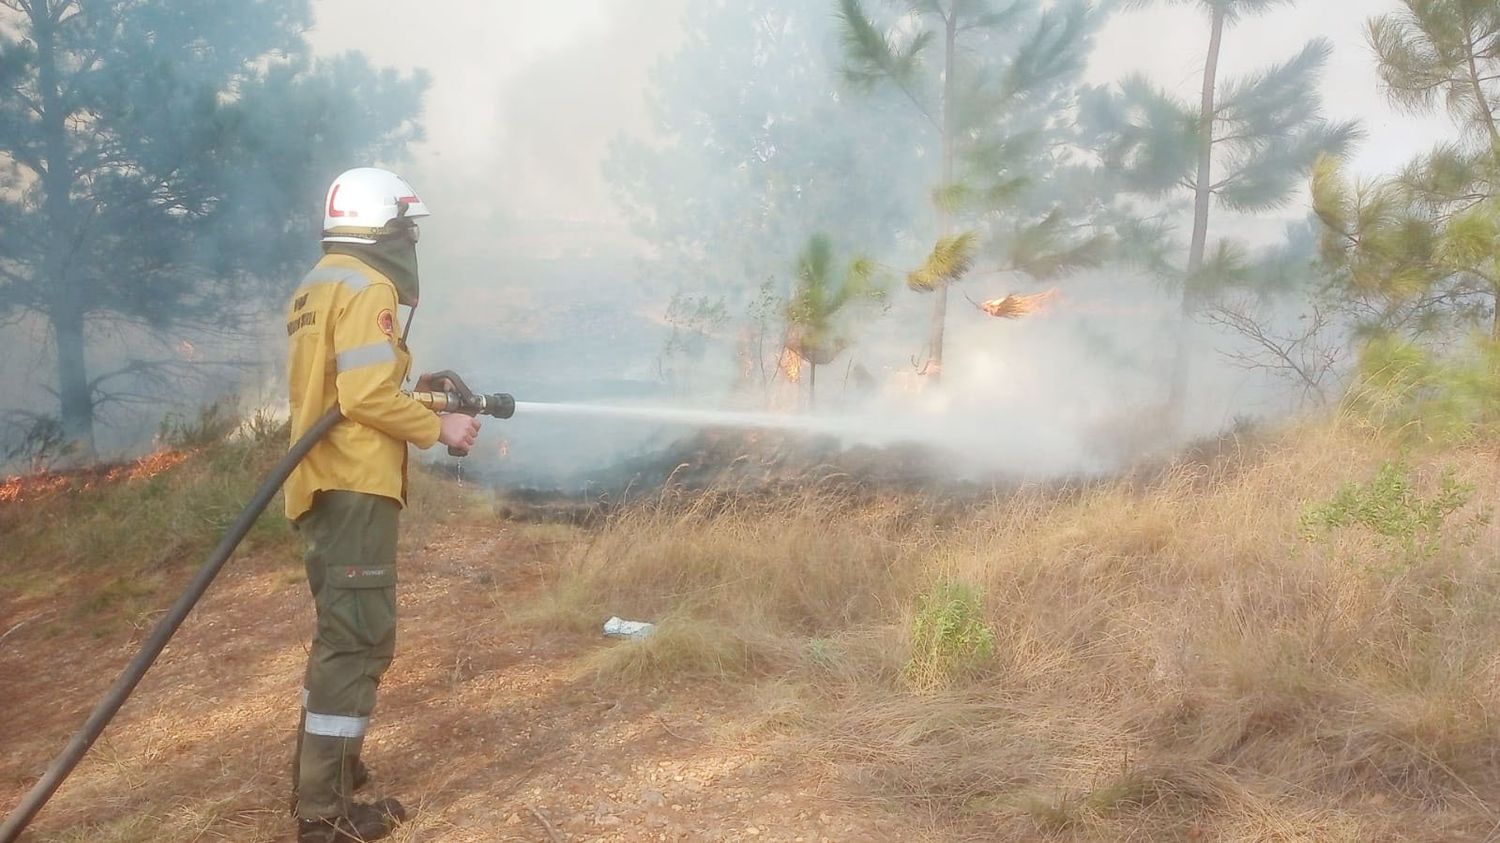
[{"x": 347, "y": 348}]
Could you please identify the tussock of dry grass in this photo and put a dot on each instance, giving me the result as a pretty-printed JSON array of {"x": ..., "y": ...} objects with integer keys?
[
  {"x": 679, "y": 648},
  {"x": 1172, "y": 659}
]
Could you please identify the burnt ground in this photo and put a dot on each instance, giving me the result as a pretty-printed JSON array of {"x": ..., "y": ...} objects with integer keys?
[
  {"x": 744, "y": 465},
  {"x": 486, "y": 733}
]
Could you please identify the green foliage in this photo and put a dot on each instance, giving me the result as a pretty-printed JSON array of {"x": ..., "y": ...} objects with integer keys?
[
  {"x": 163, "y": 163},
  {"x": 1419, "y": 258},
  {"x": 1050, "y": 248},
  {"x": 950, "y": 640},
  {"x": 951, "y": 259},
  {"x": 821, "y": 297},
  {"x": 1146, "y": 138},
  {"x": 1409, "y": 389},
  {"x": 1443, "y": 50},
  {"x": 873, "y": 56},
  {"x": 994, "y": 106},
  {"x": 1373, "y": 235},
  {"x": 1392, "y": 507},
  {"x": 1265, "y": 136},
  {"x": 1419, "y": 248},
  {"x": 141, "y": 529}
]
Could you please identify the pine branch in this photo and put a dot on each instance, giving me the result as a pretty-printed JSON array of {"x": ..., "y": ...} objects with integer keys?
[
  {"x": 873, "y": 57},
  {"x": 951, "y": 259}
]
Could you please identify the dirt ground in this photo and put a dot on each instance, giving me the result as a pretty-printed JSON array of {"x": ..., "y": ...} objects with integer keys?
[{"x": 483, "y": 732}]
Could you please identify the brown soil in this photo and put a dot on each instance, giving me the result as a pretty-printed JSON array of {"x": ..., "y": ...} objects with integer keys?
[{"x": 485, "y": 733}]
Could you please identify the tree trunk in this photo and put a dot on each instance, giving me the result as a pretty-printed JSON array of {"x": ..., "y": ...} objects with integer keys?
[
  {"x": 1495, "y": 320},
  {"x": 74, "y": 393},
  {"x": 812, "y": 385},
  {"x": 1481, "y": 101},
  {"x": 67, "y": 308},
  {"x": 1202, "y": 203},
  {"x": 945, "y": 218}
]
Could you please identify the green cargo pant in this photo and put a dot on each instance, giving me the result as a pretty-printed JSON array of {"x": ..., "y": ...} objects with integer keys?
[{"x": 351, "y": 568}]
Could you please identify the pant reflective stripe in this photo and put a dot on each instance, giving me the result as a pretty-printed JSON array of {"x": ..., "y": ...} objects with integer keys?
[
  {"x": 366, "y": 355},
  {"x": 352, "y": 279},
  {"x": 336, "y": 725}
]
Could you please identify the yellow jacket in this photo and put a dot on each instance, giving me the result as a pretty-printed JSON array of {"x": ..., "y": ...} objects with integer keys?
[{"x": 345, "y": 348}]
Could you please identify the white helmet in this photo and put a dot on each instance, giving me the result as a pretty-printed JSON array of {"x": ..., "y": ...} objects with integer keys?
[{"x": 363, "y": 202}]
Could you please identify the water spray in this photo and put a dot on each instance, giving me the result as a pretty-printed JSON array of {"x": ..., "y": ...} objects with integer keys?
[
  {"x": 459, "y": 400},
  {"x": 842, "y": 426}
]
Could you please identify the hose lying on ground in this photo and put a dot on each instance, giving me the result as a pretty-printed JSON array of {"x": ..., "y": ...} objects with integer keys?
[{"x": 160, "y": 635}]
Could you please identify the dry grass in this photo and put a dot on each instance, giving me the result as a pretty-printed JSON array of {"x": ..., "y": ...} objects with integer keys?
[{"x": 1173, "y": 659}]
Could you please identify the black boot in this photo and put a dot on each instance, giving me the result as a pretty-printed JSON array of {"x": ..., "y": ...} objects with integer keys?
[{"x": 362, "y": 823}]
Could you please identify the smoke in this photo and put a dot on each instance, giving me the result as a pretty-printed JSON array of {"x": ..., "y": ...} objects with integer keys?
[
  {"x": 541, "y": 287},
  {"x": 539, "y": 280}
]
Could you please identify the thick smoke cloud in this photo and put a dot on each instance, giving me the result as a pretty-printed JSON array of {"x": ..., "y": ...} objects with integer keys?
[
  {"x": 538, "y": 264},
  {"x": 534, "y": 283}
]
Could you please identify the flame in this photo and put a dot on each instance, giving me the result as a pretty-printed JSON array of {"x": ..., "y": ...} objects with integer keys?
[
  {"x": 150, "y": 465},
  {"x": 49, "y": 483},
  {"x": 503, "y": 449},
  {"x": 791, "y": 365},
  {"x": 1015, "y": 306}
]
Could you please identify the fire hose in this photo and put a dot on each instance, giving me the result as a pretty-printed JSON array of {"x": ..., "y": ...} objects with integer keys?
[{"x": 498, "y": 405}]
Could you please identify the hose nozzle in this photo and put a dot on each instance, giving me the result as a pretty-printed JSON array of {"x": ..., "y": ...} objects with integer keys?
[{"x": 497, "y": 405}]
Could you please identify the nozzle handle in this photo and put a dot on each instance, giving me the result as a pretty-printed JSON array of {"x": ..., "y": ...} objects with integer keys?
[{"x": 497, "y": 405}]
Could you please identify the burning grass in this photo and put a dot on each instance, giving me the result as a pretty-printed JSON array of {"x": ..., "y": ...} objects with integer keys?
[
  {"x": 122, "y": 528},
  {"x": 46, "y": 484},
  {"x": 1176, "y": 658},
  {"x": 110, "y": 537}
]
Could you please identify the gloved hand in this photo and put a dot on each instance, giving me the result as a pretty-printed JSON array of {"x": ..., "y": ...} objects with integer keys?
[{"x": 445, "y": 381}]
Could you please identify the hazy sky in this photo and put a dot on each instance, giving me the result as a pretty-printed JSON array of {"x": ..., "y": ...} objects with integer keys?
[{"x": 526, "y": 95}]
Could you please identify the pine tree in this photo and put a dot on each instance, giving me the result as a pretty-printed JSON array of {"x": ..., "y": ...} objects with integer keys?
[
  {"x": 161, "y": 160},
  {"x": 1246, "y": 147},
  {"x": 996, "y": 103},
  {"x": 819, "y": 300},
  {"x": 1422, "y": 247}
]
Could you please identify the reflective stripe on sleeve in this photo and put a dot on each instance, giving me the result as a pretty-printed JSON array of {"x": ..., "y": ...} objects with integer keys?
[
  {"x": 355, "y": 281},
  {"x": 336, "y": 725},
  {"x": 366, "y": 355}
]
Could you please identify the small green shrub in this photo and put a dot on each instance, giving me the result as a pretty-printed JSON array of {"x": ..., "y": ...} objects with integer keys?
[
  {"x": 950, "y": 640},
  {"x": 1424, "y": 395},
  {"x": 1393, "y": 508}
]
